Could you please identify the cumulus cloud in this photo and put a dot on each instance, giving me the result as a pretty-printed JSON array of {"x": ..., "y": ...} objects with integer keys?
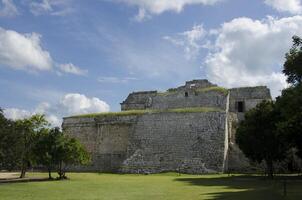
[
  {"x": 69, "y": 104},
  {"x": 191, "y": 41},
  {"x": 243, "y": 52},
  {"x": 23, "y": 51},
  {"x": 251, "y": 52},
  {"x": 8, "y": 8},
  {"x": 160, "y": 6},
  {"x": 15, "y": 113},
  {"x": 291, "y": 6},
  {"x": 52, "y": 7},
  {"x": 72, "y": 69},
  {"x": 80, "y": 104}
]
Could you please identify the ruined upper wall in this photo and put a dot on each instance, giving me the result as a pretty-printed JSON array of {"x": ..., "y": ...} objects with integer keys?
[
  {"x": 195, "y": 93},
  {"x": 198, "y": 93},
  {"x": 249, "y": 96}
]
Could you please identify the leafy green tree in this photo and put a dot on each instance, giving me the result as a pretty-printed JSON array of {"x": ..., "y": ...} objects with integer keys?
[
  {"x": 29, "y": 129},
  {"x": 258, "y": 138},
  {"x": 9, "y": 144},
  {"x": 293, "y": 64},
  {"x": 70, "y": 152},
  {"x": 289, "y": 104},
  {"x": 55, "y": 150},
  {"x": 45, "y": 148}
]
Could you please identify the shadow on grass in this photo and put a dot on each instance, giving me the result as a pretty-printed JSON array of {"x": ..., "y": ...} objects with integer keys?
[
  {"x": 25, "y": 180},
  {"x": 247, "y": 187}
]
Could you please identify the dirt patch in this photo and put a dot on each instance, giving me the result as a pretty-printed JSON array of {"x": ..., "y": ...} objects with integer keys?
[
  {"x": 13, "y": 177},
  {"x": 8, "y": 175}
]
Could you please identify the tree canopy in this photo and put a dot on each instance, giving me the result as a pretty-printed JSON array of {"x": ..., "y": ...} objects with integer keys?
[
  {"x": 272, "y": 128},
  {"x": 293, "y": 64},
  {"x": 56, "y": 151},
  {"x": 30, "y": 142},
  {"x": 258, "y": 138}
]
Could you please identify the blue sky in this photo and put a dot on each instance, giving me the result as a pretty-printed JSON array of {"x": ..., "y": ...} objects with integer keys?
[{"x": 65, "y": 57}]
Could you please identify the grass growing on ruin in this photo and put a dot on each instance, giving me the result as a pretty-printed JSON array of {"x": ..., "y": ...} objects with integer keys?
[
  {"x": 167, "y": 93},
  {"x": 195, "y": 110},
  {"x": 141, "y": 112},
  {"x": 168, "y": 186},
  {"x": 107, "y": 114},
  {"x": 221, "y": 90}
]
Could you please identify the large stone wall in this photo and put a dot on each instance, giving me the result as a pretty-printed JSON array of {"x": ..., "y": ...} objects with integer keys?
[{"x": 152, "y": 143}]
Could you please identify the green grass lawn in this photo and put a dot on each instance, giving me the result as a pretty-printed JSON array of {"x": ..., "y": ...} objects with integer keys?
[{"x": 93, "y": 186}]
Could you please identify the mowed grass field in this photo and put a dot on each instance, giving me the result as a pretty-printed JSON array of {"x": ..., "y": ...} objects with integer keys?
[{"x": 168, "y": 186}]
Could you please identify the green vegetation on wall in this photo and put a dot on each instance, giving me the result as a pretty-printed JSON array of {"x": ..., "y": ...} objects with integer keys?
[
  {"x": 221, "y": 90},
  {"x": 142, "y": 112}
]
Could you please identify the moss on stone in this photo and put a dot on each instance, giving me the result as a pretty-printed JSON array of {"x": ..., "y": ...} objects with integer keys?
[
  {"x": 166, "y": 93},
  {"x": 194, "y": 109},
  {"x": 215, "y": 88},
  {"x": 105, "y": 114},
  {"x": 141, "y": 112}
]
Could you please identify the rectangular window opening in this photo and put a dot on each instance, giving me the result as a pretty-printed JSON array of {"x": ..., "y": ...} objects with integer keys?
[{"x": 240, "y": 106}]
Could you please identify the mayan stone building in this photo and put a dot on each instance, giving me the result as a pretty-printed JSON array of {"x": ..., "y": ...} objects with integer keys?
[{"x": 188, "y": 129}]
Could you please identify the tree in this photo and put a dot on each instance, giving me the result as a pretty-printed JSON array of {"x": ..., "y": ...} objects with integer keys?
[
  {"x": 29, "y": 129},
  {"x": 293, "y": 64},
  {"x": 10, "y": 143},
  {"x": 69, "y": 152},
  {"x": 257, "y": 136},
  {"x": 45, "y": 148},
  {"x": 54, "y": 149},
  {"x": 289, "y": 104}
]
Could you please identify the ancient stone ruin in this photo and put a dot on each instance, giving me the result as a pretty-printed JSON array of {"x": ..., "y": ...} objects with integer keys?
[{"x": 187, "y": 129}]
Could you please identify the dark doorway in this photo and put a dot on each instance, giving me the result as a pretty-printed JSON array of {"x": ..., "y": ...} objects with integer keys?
[
  {"x": 240, "y": 106},
  {"x": 186, "y": 94}
]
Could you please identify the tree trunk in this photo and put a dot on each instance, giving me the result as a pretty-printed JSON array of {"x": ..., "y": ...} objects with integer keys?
[
  {"x": 23, "y": 170},
  {"x": 23, "y": 166},
  {"x": 270, "y": 168},
  {"x": 60, "y": 170},
  {"x": 49, "y": 173}
]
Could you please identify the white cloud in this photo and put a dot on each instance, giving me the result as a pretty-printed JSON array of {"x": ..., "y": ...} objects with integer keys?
[
  {"x": 72, "y": 69},
  {"x": 116, "y": 79},
  {"x": 52, "y": 7},
  {"x": 15, "y": 113},
  {"x": 160, "y": 6},
  {"x": 69, "y": 104},
  {"x": 80, "y": 104},
  {"x": 242, "y": 52},
  {"x": 251, "y": 52},
  {"x": 190, "y": 40},
  {"x": 23, "y": 51},
  {"x": 291, "y": 6},
  {"x": 8, "y": 8}
]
